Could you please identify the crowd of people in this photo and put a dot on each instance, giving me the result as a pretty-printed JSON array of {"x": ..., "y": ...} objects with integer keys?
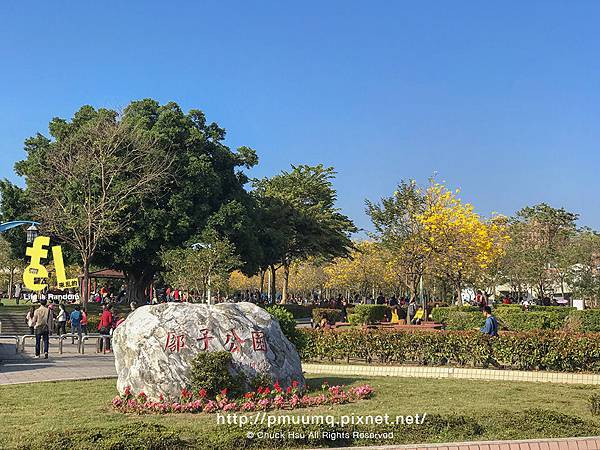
[{"x": 54, "y": 318}]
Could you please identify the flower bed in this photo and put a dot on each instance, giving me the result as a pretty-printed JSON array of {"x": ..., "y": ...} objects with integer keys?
[{"x": 263, "y": 399}]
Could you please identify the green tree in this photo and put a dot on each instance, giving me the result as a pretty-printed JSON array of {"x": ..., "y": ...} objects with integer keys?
[
  {"x": 399, "y": 230},
  {"x": 205, "y": 189},
  {"x": 584, "y": 274},
  {"x": 9, "y": 265},
  {"x": 203, "y": 267},
  {"x": 79, "y": 182},
  {"x": 300, "y": 220},
  {"x": 539, "y": 233}
]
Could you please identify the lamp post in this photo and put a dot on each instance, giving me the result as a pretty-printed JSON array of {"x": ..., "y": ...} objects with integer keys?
[{"x": 32, "y": 233}]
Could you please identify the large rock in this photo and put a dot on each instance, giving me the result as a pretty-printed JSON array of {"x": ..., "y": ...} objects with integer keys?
[{"x": 155, "y": 345}]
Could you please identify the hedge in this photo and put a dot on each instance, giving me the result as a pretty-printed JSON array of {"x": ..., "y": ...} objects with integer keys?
[
  {"x": 540, "y": 350},
  {"x": 586, "y": 321},
  {"x": 514, "y": 318},
  {"x": 332, "y": 315},
  {"x": 367, "y": 314}
]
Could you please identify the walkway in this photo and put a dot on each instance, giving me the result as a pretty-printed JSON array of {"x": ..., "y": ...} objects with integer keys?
[
  {"x": 587, "y": 443},
  {"x": 23, "y": 368}
]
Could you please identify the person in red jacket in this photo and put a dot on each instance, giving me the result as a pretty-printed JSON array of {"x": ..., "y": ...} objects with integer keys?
[{"x": 105, "y": 325}]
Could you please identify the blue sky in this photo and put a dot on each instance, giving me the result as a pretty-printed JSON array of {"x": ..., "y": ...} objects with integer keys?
[{"x": 501, "y": 100}]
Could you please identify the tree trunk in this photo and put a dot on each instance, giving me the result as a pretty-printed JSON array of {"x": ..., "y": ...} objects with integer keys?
[
  {"x": 261, "y": 274},
  {"x": 459, "y": 293},
  {"x": 137, "y": 283},
  {"x": 273, "y": 284},
  {"x": 286, "y": 281},
  {"x": 85, "y": 290},
  {"x": 10, "y": 282}
]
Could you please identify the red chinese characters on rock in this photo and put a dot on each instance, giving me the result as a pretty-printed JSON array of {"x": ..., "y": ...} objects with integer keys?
[
  {"x": 234, "y": 342},
  {"x": 175, "y": 342},
  {"x": 259, "y": 342},
  {"x": 205, "y": 338}
]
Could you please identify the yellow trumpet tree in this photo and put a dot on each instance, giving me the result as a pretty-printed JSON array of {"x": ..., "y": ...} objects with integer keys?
[{"x": 458, "y": 243}]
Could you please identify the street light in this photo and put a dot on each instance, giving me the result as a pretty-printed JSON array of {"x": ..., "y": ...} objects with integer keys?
[{"x": 32, "y": 233}]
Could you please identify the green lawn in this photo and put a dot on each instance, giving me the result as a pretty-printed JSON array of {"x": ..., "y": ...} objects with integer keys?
[{"x": 62, "y": 414}]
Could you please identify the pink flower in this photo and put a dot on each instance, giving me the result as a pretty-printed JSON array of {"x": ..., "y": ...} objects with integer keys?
[
  {"x": 295, "y": 384},
  {"x": 117, "y": 401},
  {"x": 230, "y": 407},
  {"x": 294, "y": 401},
  {"x": 248, "y": 406},
  {"x": 210, "y": 407},
  {"x": 263, "y": 403},
  {"x": 224, "y": 392}
]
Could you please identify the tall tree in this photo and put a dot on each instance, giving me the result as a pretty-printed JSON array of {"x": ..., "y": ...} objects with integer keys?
[
  {"x": 460, "y": 244},
  {"x": 80, "y": 182},
  {"x": 205, "y": 190},
  {"x": 399, "y": 229},
  {"x": 541, "y": 231},
  {"x": 301, "y": 218},
  {"x": 204, "y": 267}
]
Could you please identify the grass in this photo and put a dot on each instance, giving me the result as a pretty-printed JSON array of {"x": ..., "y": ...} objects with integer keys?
[{"x": 500, "y": 410}]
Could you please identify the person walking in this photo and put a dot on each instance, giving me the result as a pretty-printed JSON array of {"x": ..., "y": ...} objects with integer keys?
[
  {"x": 76, "y": 317},
  {"x": 84, "y": 321},
  {"x": 62, "y": 320},
  {"x": 30, "y": 320},
  {"x": 43, "y": 323},
  {"x": 105, "y": 325},
  {"x": 491, "y": 324},
  {"x": 490, "y": 329}
]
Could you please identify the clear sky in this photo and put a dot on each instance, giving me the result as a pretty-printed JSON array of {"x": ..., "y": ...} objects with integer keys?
[{"x": 501, "y": 100}]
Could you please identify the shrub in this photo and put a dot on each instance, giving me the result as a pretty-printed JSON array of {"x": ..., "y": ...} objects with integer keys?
[
  {"x": 287, "y": 324},
  {"x": 586, "y": 321},
  {"x": 298, "y": 311},
  {"x": 212, "y": 371},
  {"x": 126, "y": 437},
  {"x": 440, "y": 314},
  {"x": 541, "y": 350},
  {"x": 368, "y": 314},
  {"x": 594, "y": 404},
  {"x": 332, "y": 315},
  {"x": 461, "y": 319},
  {"x": 518, "y": 320}
]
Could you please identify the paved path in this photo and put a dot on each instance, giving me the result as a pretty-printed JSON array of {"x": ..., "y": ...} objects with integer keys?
[
  {"x": 587, "y": 443},
  {"x": 23, "y": 368}
]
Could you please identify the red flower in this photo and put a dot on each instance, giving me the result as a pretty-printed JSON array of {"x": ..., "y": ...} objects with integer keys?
[
  {"x": 294, "y": 383},
  {"x": 260, "y": 390},
  {"x": 224, "y": 392},
  {"x": 249, "y": 395},
  {"x": 277, "y": 387},
  {"x": 202, "y": 393},
  {"x": 289, "y": 390},
  {"x": 267, "y": 391}
]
